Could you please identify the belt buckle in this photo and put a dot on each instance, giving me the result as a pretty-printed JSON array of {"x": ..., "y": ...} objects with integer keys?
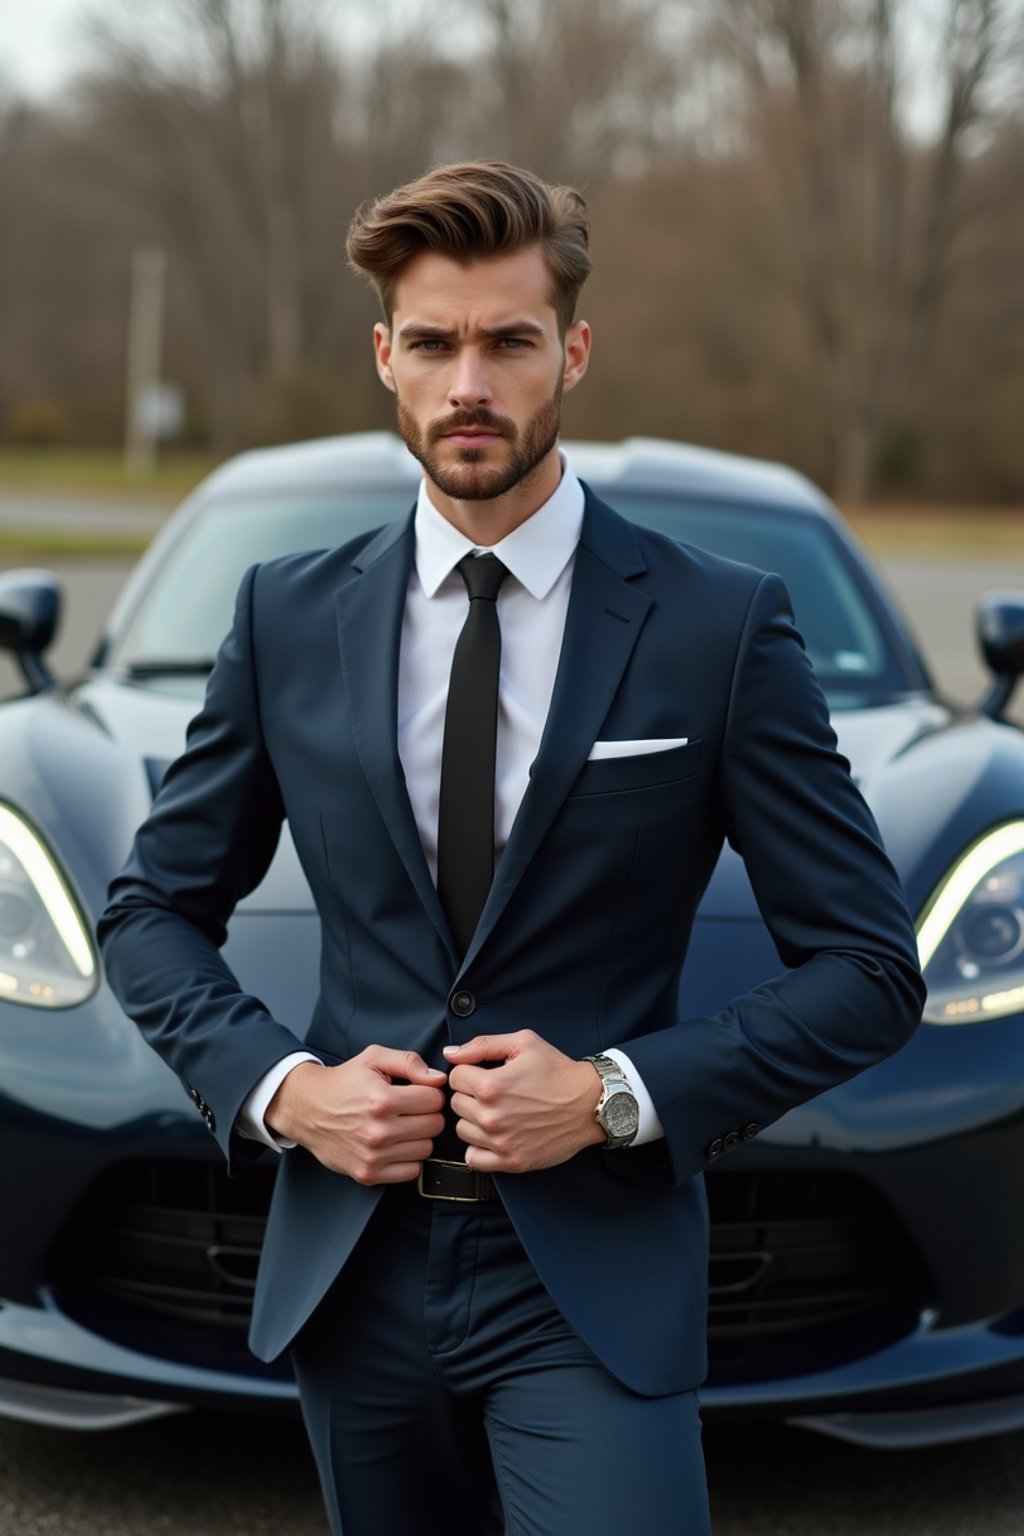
[{"x": 443, "y": 1162}]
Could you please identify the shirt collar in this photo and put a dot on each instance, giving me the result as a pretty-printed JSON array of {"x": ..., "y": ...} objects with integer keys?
[{"x": 536, "y": 553}]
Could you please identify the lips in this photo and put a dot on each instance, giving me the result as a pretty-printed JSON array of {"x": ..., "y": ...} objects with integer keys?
[
  {"x": 478, "y": 431},
  {"x": 472, "y": 435}
]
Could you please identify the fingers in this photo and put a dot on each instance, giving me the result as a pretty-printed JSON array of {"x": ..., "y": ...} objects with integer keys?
[
  {"x": 468, "y": 1105},
  {"x": 386, "y": 1139},
  {"x": 478, "y": 1083},
  {"x": 407, "y": 1065},
  {"x": 485, "y": 1048},
  {"x": 418, "y": 1127},
  {"x": 375, "y": 1116},
  {"x": 415, "y": 1101},
  {"x": 394, "y": 1164},
  {"x": 399, "y": 1173},
  {"x": 402, "y": 1172},
  {"x": 472, "y": 1134},
  {"x": 409, "y": 1152},
  {"x": 484, "y": 1130}
]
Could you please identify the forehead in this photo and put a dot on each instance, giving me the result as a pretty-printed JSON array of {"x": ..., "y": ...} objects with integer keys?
[{"x": 435, "y": 290}]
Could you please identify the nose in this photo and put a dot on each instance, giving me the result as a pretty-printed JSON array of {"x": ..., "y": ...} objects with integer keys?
[{"x": 469, "y": 384}]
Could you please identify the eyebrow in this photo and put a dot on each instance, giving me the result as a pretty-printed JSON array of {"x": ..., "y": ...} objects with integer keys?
[{"x": 418, "y": 332}]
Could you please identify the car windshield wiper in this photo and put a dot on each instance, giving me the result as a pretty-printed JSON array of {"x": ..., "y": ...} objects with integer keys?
[{"x": 169, "y": 666}]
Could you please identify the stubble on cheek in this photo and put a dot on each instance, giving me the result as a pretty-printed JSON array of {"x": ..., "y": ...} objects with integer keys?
[{"x": 471, "y": 477}]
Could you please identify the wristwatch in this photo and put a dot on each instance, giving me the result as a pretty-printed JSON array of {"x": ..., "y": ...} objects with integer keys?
[{"x": 617, "y": 1112}]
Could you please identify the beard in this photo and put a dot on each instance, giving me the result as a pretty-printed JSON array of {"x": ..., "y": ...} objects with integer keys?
[{"x": 471, "y": 478}]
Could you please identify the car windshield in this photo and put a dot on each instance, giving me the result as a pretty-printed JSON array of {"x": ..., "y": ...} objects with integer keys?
[{"x": 185, "y": 611}]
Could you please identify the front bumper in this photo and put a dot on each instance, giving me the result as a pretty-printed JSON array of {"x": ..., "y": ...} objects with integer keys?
[
  {"x": 53, "y": 1371},
  {"x": 933, "y": 1387}
]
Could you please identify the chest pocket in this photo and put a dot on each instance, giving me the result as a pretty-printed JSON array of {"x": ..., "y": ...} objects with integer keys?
[{"x": 643, "y": 770}]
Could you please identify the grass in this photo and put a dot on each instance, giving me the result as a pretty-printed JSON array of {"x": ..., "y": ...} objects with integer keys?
[
  {"x": 100, "y": 469},
  {"x": 941, "y": 532},
  {"x": 887, "y": 529},
  {"x": 921, "y": 536},
  {"x": 20, "y": 546}
]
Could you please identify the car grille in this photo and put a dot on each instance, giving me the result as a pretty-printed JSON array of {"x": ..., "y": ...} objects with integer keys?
[
  {"x": 807, "y": 1268},
  {"x": 162, "y": 1255}
]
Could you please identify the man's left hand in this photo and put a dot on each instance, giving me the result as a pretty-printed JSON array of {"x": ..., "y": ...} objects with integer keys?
[{"x": 533, "y": 1111}]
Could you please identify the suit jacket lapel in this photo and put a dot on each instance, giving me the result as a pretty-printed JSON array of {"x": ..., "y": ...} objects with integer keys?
[
  {"x": 369, "y": 612},
  {"x": 602, "y": 625}
]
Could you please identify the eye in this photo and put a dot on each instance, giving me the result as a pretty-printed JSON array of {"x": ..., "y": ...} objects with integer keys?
[
  {"x": 426, "y": 344},
  {"x": 514, "y": 343}
]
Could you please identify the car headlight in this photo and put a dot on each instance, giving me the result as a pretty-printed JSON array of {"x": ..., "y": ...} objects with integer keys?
[
  {"x": 47, "y": 958},
  {"x": 971, "y": 939}
]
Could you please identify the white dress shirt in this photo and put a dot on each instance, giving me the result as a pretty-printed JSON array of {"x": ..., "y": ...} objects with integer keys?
[{"x": 540, "y": 555}]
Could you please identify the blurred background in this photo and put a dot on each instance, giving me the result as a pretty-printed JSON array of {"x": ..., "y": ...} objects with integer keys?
[
  {"x": 808, "y": 221},
  {"x": 808, "y": 229}
]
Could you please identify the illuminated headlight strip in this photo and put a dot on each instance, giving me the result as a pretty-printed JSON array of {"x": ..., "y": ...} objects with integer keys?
[
  {"x": 949, "y": 901},
  {"x": 52, "y": 892}
]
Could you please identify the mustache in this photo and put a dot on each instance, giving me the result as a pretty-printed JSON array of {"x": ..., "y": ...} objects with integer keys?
[{"x": 480, "y": 418}]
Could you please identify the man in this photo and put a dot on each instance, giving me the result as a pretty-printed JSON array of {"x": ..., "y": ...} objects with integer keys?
[{"x": 508, "y": 780}]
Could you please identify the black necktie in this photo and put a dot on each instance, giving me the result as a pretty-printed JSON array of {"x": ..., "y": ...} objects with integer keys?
[{"x": 465, "y": 825}]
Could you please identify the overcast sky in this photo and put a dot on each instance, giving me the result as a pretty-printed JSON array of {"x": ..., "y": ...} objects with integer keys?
[
  {"x": 39, "y": 45},
  {"x": 42, "y": 43}
]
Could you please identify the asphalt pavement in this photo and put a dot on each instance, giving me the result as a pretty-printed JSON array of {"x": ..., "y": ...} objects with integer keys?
[
  {"x": 206, "y": 1476},
  {"x": 81, "y": 512}
]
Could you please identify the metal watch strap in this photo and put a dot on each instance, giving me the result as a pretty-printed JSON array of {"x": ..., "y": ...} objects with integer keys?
[
  {"x": 610, "y": 1071},
  {"x": 613, "y": 1082}
]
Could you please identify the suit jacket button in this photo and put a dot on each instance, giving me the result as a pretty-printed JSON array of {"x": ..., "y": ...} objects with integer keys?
[
  {"x": 750, "y": 1131},
  {"x": 716, "y": 1148},
  {"x": 463, "y": 1004},
  {"x": 732, "y": 1140}
]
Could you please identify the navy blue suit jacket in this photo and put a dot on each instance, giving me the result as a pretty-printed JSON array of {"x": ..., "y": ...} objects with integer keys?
[{"x": 586, "y": 927}]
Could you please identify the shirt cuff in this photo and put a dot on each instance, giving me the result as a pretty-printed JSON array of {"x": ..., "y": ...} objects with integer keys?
[
  {"x": 650, "y": 1126},
  {"x": 250, "y": 1122}
]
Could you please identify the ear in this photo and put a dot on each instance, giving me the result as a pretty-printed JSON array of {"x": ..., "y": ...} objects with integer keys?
[
  {"x": 577, "y": 353},
  {"x": 382, "y": 352}
]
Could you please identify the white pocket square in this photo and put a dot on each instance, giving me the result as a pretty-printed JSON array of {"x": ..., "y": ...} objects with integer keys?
[{"x": 602, "y": 749}]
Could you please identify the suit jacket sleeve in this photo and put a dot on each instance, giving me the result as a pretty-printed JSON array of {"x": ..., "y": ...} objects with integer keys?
[
  {"x": 207, "y": 842},
  {"x": 829, "y": 897}
]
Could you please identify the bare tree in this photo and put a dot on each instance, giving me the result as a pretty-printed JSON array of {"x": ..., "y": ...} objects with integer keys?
[
  {"x": 575, "y": 88},
  {"x": 227, "y": 137},
  {"x": 872, "y": 216},
  {"x": 788, "y": 265}
]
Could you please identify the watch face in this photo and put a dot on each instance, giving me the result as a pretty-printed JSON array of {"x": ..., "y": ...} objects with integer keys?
[{"x": 620, "y": 1114}]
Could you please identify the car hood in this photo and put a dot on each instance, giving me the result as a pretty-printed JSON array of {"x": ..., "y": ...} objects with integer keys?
[
  {"x": 124, "y": 735},
  {"x": 873, "y": 740},
  {"x": 896, "y": 751}
]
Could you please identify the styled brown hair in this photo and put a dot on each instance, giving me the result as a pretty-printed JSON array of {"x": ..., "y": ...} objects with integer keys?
[{"x": 476, "y": 209}]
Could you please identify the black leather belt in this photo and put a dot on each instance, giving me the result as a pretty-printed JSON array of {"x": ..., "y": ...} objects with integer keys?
[{"x": 441, "y": 1180}]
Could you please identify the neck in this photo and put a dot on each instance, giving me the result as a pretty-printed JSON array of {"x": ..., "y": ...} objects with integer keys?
[{"x": 488, "y": 522}]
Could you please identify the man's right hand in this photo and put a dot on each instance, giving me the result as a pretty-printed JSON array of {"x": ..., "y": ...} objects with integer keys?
[{"x": 373, "y": 1118}]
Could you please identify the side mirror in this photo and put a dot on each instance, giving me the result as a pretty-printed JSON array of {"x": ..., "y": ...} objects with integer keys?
[
  {"x": 999, "y": 625},
  {"x": 30, "y": 605}
]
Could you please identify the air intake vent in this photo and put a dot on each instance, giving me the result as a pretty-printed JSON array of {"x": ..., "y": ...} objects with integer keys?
[{"x": 807, "y": 1269}]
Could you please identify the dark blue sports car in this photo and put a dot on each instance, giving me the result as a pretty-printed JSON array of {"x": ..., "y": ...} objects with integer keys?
[{"x": 867, "y": 1253}]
